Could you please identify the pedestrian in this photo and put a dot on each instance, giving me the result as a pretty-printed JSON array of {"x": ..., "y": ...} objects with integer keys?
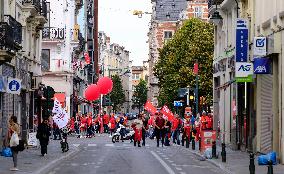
[
  {"x": 43, "y": 134},
  {"x": 167, "y": 132},
  {"x": 106, "y": 121},
  {"x": 159, "y": 128},
  {"x": 14, "y": 128},
  {"x": 112, "y": 125},
  {"x": 101, "y": 123},
  {"x": 176, "y": 128},
  {"x": 144, "y": 129},
  {"x": 186, "y": 131},
  {"x": 138, "y": 130}
]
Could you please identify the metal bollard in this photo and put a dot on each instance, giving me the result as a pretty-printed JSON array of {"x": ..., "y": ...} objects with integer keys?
[
  {"x": 223, "y": 153},
  {"x": 270, "y": 167},
  {"x": 214, "y": 149},
  {"x": 193, "y": 144},
  {"x": 251, "y": 164}
]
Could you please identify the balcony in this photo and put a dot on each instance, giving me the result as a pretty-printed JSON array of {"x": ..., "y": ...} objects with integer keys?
[
  {"x": 10, "y": 38},
  {"x": 32, "y": 4},
  {"x": 212, "y": 5},
  {"x": 35, "y": 12},
  {"x": 49, "y": 33}
]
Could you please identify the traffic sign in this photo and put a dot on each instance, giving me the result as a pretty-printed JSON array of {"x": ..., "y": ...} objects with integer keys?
[
  {"x": 259, "y": 45},
  {"x": 14, "y": 86},
  {"x": 177, "y": 103}
]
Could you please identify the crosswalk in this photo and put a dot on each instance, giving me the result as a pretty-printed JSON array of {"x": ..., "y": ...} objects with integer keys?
[{"x": 126, "y": 145}]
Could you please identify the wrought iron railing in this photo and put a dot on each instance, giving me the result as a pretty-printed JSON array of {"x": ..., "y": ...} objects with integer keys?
[
  {"x": 53, "y": 33},
  {"x": 36, "y": 4},
  {"x": 214, "y": 2},
  {"x": 10, "y": 34},
  {"x": 43, "y": 8}
]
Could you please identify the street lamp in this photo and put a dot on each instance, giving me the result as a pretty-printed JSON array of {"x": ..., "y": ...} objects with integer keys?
[{"x": 216, "y": 18}]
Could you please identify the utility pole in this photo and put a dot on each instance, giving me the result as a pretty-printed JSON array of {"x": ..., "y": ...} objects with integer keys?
[{"x": 95, "y": 38}]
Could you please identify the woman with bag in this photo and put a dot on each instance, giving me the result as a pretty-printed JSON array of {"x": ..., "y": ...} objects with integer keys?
[{"x": 13, "y": 136}]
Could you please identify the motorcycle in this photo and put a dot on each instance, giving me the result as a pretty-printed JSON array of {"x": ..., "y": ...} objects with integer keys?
[
  {"x": 119, "y": 134},
  {"x": 64, "y": 143}
]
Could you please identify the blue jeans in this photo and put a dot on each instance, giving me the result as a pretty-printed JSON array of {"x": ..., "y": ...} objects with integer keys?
[{"x": 176, "y": 134}]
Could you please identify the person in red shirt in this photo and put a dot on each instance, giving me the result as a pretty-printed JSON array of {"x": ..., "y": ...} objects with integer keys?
[
  {"x": 203, "y": 121},
  {"x": 112, "y": 124},
  {"x": 176, "y": 129},
  {"x": 89, "y": 126},
  {"x": 159, "y": 128},
  {"x": 101, "y": 123},
  {"x": 106, "y": 121},
  {"x": 209, "y": 120},
  {"x": 186, "y": 130}
]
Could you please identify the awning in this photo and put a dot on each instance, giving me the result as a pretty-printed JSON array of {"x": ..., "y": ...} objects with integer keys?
[{"x": 60, "y": 97}]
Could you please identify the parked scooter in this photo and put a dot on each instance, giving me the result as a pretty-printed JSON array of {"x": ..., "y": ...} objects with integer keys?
[{"x": 123, "y": 134}]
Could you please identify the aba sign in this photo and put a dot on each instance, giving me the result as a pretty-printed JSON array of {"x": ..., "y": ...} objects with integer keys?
[{"x": 261, "y": 66}]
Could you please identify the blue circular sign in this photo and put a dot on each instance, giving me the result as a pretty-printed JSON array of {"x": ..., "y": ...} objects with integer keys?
[{"x": 14, "y": 85}]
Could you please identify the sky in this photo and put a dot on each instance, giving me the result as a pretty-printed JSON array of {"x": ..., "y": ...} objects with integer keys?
[{"x": 118, "y": 22}]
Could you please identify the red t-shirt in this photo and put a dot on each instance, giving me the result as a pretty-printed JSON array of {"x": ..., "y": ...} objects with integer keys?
[
  {"x": 160, "y": 122},
  {"x": 106, "y": 119}
]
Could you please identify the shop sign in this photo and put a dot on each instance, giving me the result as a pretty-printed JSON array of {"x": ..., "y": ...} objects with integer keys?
[
  {"x": 241, "y": 41},
  {"x": 259, "y": 46},
  {"x": 243, "y": 69},
  {"x": 261, "y": 65},
  {"x": 244, "y": 79}
]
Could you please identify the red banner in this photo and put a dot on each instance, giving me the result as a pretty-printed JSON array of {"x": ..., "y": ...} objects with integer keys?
[
  {"x": 87, "y": 58},
  {"x": 167, "y": 112},
  {"x": 149, "y": 107}
]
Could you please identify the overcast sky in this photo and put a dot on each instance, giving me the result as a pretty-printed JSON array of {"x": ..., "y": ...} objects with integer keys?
[{"x": 118, "y": 22}]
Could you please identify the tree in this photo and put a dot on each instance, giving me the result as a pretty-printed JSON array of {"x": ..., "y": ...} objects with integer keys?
[
  {"x": 193, "y": 41},
  {"x": 117, "y": 95},
  {"x": 139, "y": 97}
]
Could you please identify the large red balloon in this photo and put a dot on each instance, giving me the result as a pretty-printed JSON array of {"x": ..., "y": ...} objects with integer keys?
[
  {"x": 105, "y": 85},
  {"x": 92, "y": 92}
]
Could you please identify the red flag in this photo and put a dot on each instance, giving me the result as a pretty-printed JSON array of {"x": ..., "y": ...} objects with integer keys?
[
  {"x": 195, "y": 69},
  {"x": 149, "y": 107},
  {"x": 87, "y": 58},
  {"x": 167, "y": 112}
]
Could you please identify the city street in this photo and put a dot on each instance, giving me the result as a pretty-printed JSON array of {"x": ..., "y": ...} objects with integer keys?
[{"x": 100, "y": 155}]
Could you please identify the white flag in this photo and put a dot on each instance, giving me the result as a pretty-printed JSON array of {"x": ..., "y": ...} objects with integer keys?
[
  {"x": 57, "y": 107},
  {"x": 61, "y": 119}
]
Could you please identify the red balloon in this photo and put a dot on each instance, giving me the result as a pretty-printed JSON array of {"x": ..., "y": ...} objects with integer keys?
[
  {"x": 105, "y": 85},
  {"x": 92, "y": 92}
]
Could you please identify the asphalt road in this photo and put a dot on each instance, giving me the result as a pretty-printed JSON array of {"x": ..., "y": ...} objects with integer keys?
[{"x": 100, "y": 155}]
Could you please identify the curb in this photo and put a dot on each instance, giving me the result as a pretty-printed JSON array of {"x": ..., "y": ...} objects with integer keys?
[
  {"x": 54, "y": 162},
  {"x": 221, "y": 166}
]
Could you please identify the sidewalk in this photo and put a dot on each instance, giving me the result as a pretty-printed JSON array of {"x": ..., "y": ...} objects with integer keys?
[
  {"x": 30, "y": 160},
  {"x": 237, "y": 162}
]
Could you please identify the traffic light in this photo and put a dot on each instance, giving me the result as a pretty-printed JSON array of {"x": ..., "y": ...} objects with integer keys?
[{"x": 48, "y": 102}]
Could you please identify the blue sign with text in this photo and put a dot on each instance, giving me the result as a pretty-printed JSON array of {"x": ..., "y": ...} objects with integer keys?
[
  {"x": 261, "y": 65},
  {"x": 177, "y": 103},
  {"x": 241, "y": 41}
]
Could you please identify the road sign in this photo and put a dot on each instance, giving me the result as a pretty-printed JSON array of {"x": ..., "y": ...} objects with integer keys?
[
  {"x": 261, "y": 65},
  {"x": 177, "y": 103},
  {"x": 259, "y": 46},
  {"x": 243, "y": 69},
  {"x": 14, "y": 86},
  {"x": 241, "y": 41}
]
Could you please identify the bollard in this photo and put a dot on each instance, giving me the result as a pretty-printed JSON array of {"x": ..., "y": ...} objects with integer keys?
[
  {"x": 270, "y": 167},
  {"x": 199, "y": 145},
  {"x": 223, "y": 153},
  {"x": 214, "y": 149},
  {"x": 251, "y": 164},
  {"x": 193, "y": 144}
]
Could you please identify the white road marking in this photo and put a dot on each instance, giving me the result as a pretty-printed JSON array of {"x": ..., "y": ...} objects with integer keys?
[
  {"x": 109, "y": 145},
  {"x": 76, "y": 145},
  {"x": 178, "y": 168},
  {"x": 182, "y": 173},
  {"x": 92, "y": 145},
  {"x": 164, "y": 164}
]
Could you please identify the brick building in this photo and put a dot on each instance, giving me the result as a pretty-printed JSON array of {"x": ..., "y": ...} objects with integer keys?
[{"x": 167, "y": 16}]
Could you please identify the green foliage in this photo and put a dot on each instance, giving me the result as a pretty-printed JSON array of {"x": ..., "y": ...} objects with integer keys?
[
  {"x": 117, "y": 96},
  {"x": 193, "y": 41},
  {"x": 139, "y": 97}
]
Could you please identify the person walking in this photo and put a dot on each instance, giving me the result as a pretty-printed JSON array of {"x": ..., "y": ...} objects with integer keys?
[
  {"x": 159, "y": 128},
  {"x": 43, "y": 134},
  {"x": 106, "y": 122},
  {"x": 14, "y": 128},
  {"x": 112, "y": 125},
  {"x": 144, "y": 129},
  {"x": 138, "y": 130}
]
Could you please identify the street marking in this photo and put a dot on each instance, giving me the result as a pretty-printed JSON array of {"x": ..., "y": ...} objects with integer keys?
[
  {"x": 182, "y": 173},
  {"x": 164, "y": 164},
  {"x": 109, "y": 145},
  {"x": 92, "y": 145},
  {"x": 178, "y": 168},
  {"x": 76, "y": 145}
]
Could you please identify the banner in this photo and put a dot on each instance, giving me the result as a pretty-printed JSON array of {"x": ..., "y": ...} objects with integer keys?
[
  {"x": 60, "y": 116},
  {"x": 167, "y": 113},
  {"x": 149, "y": 107}
]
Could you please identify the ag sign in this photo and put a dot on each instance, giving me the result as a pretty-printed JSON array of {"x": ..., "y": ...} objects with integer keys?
[
  {"x": 261, "y": 65},
  {"x": 244, "y": 69}
]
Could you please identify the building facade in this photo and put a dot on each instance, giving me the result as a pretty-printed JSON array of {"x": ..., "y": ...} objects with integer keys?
[
  {"x": 249, "y": 113},
  {"x": 21, "y": 23}
]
